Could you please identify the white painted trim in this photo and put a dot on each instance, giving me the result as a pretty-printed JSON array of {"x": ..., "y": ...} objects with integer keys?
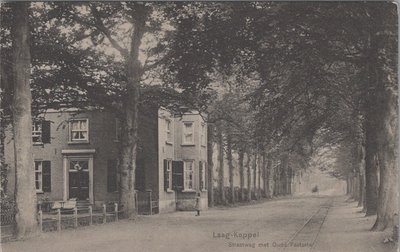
[
  {"x": 78, "y": 151},
  {"x": 91, "y": 194},
  {"x": 72, "y": 141},
  {"x": 67, "y": 158},
  {"x": 66, "y": 179}
]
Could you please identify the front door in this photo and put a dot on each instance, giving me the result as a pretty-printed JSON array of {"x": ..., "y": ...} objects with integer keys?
[{"x": 79, "y": 179}]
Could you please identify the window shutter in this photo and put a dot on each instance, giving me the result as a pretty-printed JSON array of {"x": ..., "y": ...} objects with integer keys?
[
  {"x": 201, "y": 174},
  {"x": 177, "y": 175},
  {"x": 46, "y": 132},
  {"x": 46, "y": 176},
  {"x": 166, "y": 177},
  {"x": 112, "y": 175}
]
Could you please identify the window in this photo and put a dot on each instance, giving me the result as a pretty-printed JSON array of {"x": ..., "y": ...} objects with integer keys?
[
  {"x": 38, "y": 176},
  {"x": 168, "y": 128},
  {"x": 177, "y": 175},
  {"x": 42, "y": 176},
  {"x": 203, "y": 134},
  {"x": 188, "y": 133},
  {"x": 167, "y": 174},
  {"x": 79, "y": 130},
  {"x": 202, "y": 171},
  {"x": 41, "y": 132},
  {"x": 188, "y": 175},
  {"x": 37, "y": 132}
]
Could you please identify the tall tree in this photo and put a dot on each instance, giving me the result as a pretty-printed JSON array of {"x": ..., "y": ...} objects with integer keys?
[{"x": 25, "y": 196}]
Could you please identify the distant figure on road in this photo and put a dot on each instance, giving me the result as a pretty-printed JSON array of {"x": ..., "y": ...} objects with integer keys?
[
  {"x": 197, "y": 205},
  {"x": 315, "y": 189}
]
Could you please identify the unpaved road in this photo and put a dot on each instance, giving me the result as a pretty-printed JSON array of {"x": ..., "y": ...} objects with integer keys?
[{"x": 299, "y": 223}]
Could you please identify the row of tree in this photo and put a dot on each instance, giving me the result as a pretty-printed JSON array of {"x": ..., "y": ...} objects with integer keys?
[{"x": 295, "y": 77}]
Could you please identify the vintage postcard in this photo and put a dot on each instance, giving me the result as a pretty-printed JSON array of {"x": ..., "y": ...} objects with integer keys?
[{"x": 199, "y": 126}]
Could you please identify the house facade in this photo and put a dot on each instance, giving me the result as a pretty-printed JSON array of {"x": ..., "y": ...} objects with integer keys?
[{"x": 76, "y": 157}]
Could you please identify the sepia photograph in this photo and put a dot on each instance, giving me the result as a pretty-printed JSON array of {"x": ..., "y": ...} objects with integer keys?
[{"x": 185, "y": 126}]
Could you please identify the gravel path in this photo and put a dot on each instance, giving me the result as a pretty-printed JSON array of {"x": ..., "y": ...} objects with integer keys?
[{"x": 267, "y": 226}]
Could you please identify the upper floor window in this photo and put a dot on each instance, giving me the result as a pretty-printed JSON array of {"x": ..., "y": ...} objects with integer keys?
[
  {"x": 40, "y": 132},
  {"x": 203, "y": 134},
  {"x": 188, "y": 167},
  {"x": 37, "y": 132},
  {"x": 188, "y": 133},
  {"x": 168, "y": 129},
  {"x": 79, "y": 130}
]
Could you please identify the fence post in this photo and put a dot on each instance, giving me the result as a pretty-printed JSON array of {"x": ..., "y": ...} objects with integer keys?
[
  {"x": 41, "y": 220},
  {"x": 116, "y": 211},
  {"x": 90, "y": 215},
  {"x": 75, "y": 217},
  {"x": 59, "y": 219},
  {"x": 104, "y": 213}
]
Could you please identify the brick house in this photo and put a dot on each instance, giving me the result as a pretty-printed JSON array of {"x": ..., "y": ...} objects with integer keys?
[{"x": 76, "y": 157}]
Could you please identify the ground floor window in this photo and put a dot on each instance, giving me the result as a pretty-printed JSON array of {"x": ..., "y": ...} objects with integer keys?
[
  {"x": 202, "y": 171},
  {"x": 188, "y": 175},
  {"x": 42, "y": 176},
  {"x": 167, "y": 174}
]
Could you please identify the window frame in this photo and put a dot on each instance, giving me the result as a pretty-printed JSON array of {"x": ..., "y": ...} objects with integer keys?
[
  {"x": 71, "y": 140},
  {"x": 40, "y": 172},
  {"x": 38, "y": 132},
  {"x": 168, "y": 130},
  {"x": 185, "y": 171},
  {"x": 203, "y": 134},
  {"x": 169, "y": 172},
  {"x": 185, "y": 133},
  {"x": 203, "y": 175}
]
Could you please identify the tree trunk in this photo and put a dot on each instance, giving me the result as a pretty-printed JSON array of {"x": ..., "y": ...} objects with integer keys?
[
  {"x": 264, "y": 173},
  {"x": 361, "y": 189},
  {"x": 254, "y": 166},
  {"x": 356, "y": 185},
  {"x": 384, "y": 83},
  {"x": 284, "y": 167},
  {"x": 230, "y": 165},
  {"x": 371, "y": 147},
  {"x": 387, "y": 155},
  {"x": 276, "y": 177},
  {"x": 269, "y": 175},
  {"x": 361, "y": 174},
  {"x": 260, "y": 165},
  {"x": 221, "y": 164},
  {"x": 371, "y": 171},
  {"x": 348, "y": 185},
  {"x": 25, "y": 193},
  {"x": 241, "y": 173},
  {"x": 130, "y": 133},
  {"x": 248, "y": 176},
  {"x": 210, "y": 149}
]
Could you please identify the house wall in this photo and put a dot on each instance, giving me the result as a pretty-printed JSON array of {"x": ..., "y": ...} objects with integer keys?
[
  {"x": 147, "y": 157},
  {"x": 167, "y": 202},
  {"x": 196, "y": 152},
  {"x": 153, "y": 148},
  {"x": 101, "y": 138}
]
